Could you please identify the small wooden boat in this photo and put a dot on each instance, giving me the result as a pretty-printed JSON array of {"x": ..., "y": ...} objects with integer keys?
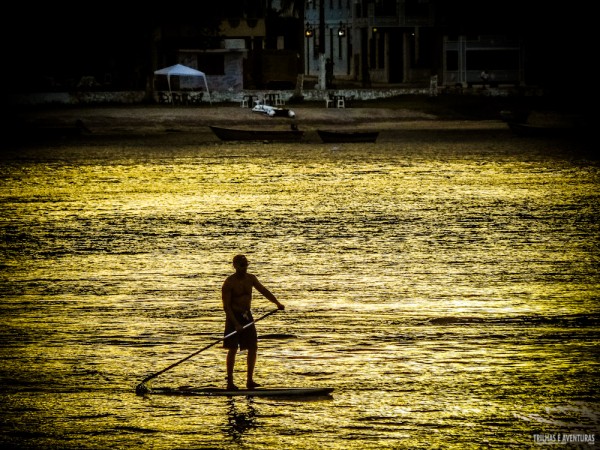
[
  {"x": 238, "y": 134},
  {"x": 259, "y": 392},
  {"x": 338, "y": 136},
  {"x": 51, "y": 131},
  {"x": 526, "y": 129}
]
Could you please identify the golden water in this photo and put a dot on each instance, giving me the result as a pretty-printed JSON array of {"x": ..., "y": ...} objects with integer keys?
[{"x": 447, "y": 290}]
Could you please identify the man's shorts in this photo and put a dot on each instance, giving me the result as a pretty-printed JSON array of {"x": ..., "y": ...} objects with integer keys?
[{"x": 245, "y": 339}]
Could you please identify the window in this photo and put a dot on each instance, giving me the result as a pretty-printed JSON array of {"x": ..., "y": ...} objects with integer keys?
[
  {"x": 212, "y": 63},
  {"x": 385, "y": 8},
  {"x": 493, "y": 59},
  {"x": 452, "y": 60},
  {"x": 416, "y": 8}
]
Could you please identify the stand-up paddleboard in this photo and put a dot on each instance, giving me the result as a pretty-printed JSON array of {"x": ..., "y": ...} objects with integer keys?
[{"x": 258, "y": 392}]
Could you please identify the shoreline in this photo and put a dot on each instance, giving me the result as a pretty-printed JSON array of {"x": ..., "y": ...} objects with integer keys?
[
  {"x": 164, "y": 125},
  {"x": 401, "y": 119},
  {"x": 159, "y": 118}
]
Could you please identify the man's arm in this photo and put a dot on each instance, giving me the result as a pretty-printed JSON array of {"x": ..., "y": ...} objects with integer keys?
[{"x": 264, "y": 291}]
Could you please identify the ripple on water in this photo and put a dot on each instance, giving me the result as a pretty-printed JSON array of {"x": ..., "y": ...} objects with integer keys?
[{"x": 446, "y": 290}]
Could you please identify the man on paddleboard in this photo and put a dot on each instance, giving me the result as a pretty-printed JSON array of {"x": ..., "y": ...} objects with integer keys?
[{"x": 237, "y": 298}]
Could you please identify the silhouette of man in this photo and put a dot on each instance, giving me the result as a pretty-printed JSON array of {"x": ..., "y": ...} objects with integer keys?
[{"x": 237, "y": 298}]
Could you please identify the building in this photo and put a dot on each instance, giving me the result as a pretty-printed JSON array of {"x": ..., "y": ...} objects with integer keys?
[
  {"x": 489, "y": 60},
  {"x": 253, "y": 46},
  {"x": 266, "y": 44},
  {"x": 383, "y": 41}
]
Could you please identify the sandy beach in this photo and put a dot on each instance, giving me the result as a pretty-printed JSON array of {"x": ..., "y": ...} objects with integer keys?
[
  {"x": 159, "y": 123},
  {"x": 453, "y": 118}
]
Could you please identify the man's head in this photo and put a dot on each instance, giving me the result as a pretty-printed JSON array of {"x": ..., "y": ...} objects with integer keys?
[{"x": 240, "y": 262}]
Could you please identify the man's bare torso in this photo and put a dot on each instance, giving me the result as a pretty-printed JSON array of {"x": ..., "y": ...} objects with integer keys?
[{"x": 240, "y": 289}]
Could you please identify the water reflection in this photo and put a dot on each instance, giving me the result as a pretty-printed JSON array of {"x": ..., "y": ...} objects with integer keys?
[
  {"x": 241, "y": 417},
  {"x": 447, "y": 291}
]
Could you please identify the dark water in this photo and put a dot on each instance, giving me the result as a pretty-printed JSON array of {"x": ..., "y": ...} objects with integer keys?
[{"x": 448, "y": 291}]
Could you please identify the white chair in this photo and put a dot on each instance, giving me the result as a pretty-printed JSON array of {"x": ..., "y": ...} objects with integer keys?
[
  {"x": 244, "y": 102},
  {"x": 177, "y": 98},
  {"x": 195, "y": 98},
  {"x": 349, "y": 101},
  {"x": 278, "y": 100},
  {"x": 164, "y": 97},
  {"x": 328, "y": 100},
  {"x": 341, "y": 102}
]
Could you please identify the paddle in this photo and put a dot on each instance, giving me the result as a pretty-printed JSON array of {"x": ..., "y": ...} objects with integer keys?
[{"x": 141, "y": 389}]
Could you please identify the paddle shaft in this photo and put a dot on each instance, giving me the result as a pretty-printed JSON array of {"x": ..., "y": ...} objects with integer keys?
[{"x": 154, "y": 375}]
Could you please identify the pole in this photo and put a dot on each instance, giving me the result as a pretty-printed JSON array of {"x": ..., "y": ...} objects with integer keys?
[
  {"x": 142, "y": 389},
  {"x": 322, "y": 84},
  {"x": 307, "y": 56}
]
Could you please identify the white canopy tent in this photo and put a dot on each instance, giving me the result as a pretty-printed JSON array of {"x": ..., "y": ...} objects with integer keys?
[{"x": 182, "y": 71}]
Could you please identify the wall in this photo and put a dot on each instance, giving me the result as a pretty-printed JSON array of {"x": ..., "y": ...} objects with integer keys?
[
  {"x": 138, "y": 97},
  {"x": 77, "y": 98}
]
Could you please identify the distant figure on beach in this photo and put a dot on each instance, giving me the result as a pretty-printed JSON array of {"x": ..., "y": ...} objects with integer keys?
[
  {"x": 485, "y": 77},
  {"x": 329, "y": 73},
  {"x": 237, "y": 298}
]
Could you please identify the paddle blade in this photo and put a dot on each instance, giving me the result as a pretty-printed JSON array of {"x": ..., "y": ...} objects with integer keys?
[{"x": 141, "y": 389}]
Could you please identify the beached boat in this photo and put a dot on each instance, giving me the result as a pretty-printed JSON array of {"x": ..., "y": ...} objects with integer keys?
[
  {"x": 338, "y": 136},
  {"x": 30, "y": 131},
  {"x": 548, "y": 124},
  {"x": 240, "y": 134},
  {"x": 527, "y": 129}
]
